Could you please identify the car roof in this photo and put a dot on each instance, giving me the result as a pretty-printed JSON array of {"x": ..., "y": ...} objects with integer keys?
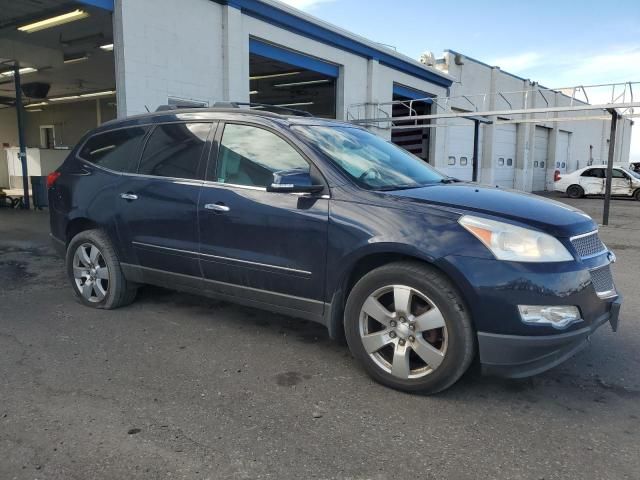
[{"x": 213, "y": 113}]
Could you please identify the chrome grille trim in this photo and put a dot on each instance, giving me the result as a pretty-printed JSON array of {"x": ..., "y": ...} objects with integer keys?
[
  {"x": 602, "y": 280},
  {"x": 588, "y": 244}
]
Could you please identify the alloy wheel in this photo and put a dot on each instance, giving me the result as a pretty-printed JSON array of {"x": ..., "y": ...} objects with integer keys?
[
  {"x": 90, "y": 273},
  {"x": 403, "y": 331}
]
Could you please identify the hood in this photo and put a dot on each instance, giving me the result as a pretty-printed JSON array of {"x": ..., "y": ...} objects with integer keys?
[{"x": 553, "y": 217}]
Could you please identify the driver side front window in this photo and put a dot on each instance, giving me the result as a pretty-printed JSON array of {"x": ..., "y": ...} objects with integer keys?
[{"x": 250, "y": 155}]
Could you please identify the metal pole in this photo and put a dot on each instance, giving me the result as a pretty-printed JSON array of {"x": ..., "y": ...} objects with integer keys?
[
  {"x": 23, "y": 148},
  {"x": 612, "y": 147},
  {"x": 476, "y": 141}
]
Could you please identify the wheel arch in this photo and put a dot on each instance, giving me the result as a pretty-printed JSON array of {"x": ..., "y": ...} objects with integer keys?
[{"x": 362, "y": 264}]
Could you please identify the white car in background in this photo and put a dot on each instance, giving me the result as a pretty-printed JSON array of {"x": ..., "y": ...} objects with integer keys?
[{"x": 592, "y": 180}]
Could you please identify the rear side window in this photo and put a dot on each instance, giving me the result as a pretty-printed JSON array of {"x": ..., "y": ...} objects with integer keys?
[
  {"x": 174, "y": 150},
  {"x": 594, "y": 172},
  {"x": 116, "y": 150}
]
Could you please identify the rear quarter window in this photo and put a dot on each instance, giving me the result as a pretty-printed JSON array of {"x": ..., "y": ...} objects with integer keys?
[{"x": 116, "y": 150}]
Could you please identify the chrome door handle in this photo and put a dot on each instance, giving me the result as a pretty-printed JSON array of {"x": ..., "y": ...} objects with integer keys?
[
  {"x": 216, "y": 207},
  {"x": 129, "y": 196}
]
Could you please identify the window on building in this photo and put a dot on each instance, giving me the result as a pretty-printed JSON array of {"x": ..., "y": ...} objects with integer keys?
[
  {"x": 509, "y": 162},
  {"x": 535, "y": 164},
  {"x": 564, "y": 164},
  {"x": 250, "y": 155},
  {"x": 174, "y": 150},
  {"x": 451, "y": 161},
  {"x": 116, "y": 150},
  {"x": 557, "y": 164},
  {"x": 501, "y": 162},
  {"x": 463, "y": 161},
  {"x": 542, "y": 164}
]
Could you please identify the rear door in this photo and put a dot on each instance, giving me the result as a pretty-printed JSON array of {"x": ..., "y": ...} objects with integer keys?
[
  {"x": 264, "y": 246},
  {"x": 158, "y": 205},
  {"x": 592, "y": 181}
]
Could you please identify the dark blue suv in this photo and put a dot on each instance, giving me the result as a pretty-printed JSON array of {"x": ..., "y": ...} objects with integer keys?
[{"x": 323, "y": 220}]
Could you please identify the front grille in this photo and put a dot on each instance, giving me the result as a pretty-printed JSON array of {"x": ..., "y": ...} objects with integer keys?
[
  {"x": 588, "y": 245},
  {"x": 603, "y": 281}
]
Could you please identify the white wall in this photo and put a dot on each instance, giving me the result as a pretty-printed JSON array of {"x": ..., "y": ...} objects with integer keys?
[
  {"x": 474, "y": 78},
  {"x": 157, "y": 56}
]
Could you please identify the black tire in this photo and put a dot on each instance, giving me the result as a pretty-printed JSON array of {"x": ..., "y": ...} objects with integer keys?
[
  {"x": 636, "y": 195},
  {"x": 575, "y": 191},
  {"x": 460, "y": 335},
  {"x": 117, "y": 292}
]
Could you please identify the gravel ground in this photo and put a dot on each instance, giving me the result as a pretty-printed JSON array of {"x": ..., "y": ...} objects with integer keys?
[{"x": 177, "y": 386}]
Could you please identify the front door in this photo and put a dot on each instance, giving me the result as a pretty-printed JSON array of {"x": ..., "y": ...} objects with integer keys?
[
  {"x": 158, "y": 216},
  {"x": 266, "y": 247},
  {"x": 620, "y": 183}
]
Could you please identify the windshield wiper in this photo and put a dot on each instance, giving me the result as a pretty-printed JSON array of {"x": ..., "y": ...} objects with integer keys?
[
  {"x": 450, "y": 180},
  {"x": 405, "y": 186}
]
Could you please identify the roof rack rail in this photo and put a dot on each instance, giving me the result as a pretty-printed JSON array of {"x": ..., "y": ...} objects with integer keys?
[
  {"x": 262, "y": 106},
  {"x": 163, "y": 108}
]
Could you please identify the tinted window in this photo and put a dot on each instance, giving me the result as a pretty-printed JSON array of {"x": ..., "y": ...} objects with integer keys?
[
  {"x": 594, "y": 172},
  {"x": 174, "y": 150},
  {"x": 509, "y": 162},
  {"x": 250, "y": 156},
  {"x": 116, "y": 150},
  {"x": 617, "y": 174}
]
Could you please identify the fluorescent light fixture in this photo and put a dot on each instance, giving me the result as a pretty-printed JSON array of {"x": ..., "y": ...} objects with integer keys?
[
  {"x": 34, "y": 110},
  {"x": 299, "y": 104},
  {"x": 274, "y": 75},
  {"x": 59, "y": 99},
  {"x": 39, "y": 104},
  {"x": 54, "y": 21},
  {"x": 77, "y": 59},
  {"x": 83, "y": 95},
  {"x": 107, "y": 47},
  {"x": 98, "y": 94},
  {"x": 296, "y": 84},
  {"x": 23, "y": 71},
  {"x": 253, "y": 92}
]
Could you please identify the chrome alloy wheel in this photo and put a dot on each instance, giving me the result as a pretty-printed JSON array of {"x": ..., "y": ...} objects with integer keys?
[
  {"x": 90, "y": 273},
  {"x": 403, "y": 331}
]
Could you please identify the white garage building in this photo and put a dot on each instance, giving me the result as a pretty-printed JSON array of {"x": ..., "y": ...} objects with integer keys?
[{"x": 126, "y": 57}]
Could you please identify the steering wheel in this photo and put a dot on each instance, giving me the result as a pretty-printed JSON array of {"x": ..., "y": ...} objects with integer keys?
[{"x": 373, "y": 171}]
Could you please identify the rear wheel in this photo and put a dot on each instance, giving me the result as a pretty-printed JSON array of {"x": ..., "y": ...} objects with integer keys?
[
  {"x": 636, "y": 194},
  {"x": 94, "y": 271},
  {"x": 406, "y": 324},
  {"x": 575, "y": 191}
]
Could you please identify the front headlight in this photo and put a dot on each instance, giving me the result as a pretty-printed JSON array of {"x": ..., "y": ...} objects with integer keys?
[{"x": 517, "y": 244}]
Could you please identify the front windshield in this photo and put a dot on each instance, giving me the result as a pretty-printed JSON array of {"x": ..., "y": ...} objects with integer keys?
[
  {"x": 372, "y": 162},
  {"x": 633, "y": 173}
]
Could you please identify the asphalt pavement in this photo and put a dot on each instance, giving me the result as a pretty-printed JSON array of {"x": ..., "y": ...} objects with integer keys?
[{"x": 181, "y": 387}]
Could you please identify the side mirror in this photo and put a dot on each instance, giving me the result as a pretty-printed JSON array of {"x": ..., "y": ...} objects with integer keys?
[{"x": 293, "y": 181}]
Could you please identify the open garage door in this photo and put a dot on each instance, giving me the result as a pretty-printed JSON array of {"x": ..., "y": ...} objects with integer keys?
[
  {"x": 504, "y": 155},
  {"x": 540, "y": 156},
  {"x": 414, "y": 140},
  {"x": 65, "y": 85},
  {"x": 285, "y": 78}
]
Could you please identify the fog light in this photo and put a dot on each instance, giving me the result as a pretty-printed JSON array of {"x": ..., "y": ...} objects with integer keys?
[{"x": 557, "y": 316}]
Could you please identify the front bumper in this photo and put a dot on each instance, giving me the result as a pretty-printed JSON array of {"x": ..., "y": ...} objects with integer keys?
[{"x": 517, "y": 356}]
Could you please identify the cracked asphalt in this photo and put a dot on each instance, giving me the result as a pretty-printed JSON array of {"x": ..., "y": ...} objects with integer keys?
[{"x": 176, "y": 386}]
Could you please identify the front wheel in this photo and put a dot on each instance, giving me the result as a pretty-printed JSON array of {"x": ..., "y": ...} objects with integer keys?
[
  {"x": 636, "y": 194},
  {"x": 94, "y": 271},
  {"x": 407, "y": 325}
]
